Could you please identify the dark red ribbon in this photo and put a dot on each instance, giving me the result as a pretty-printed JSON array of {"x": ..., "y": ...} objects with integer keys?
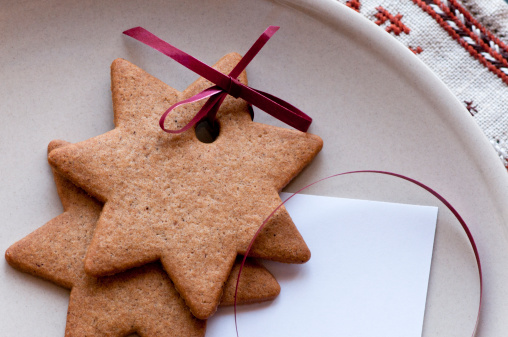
[
  {"x": 411, "y": 180},
  {"x": 224, "y": 84}
]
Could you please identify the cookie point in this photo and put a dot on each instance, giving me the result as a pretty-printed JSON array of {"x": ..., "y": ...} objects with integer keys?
[
  {"x": 55, "y": 144},
  {"x": 52, "y": 157},
  {"x": 92, "y": 269},
  {"x": 117, "y": 61},
  {"x": 10, "y": 255},
  {"x": 302, "y": 256},
  {"x": 203, "y": 312},
  {"x": 120, "y": 63},
  {"x": 317, "y": 141}
]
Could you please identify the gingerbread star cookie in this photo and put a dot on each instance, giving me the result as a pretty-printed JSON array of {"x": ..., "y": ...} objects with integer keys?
[
  {"x": 192, "y": 205},
  {"x": 141, "y": 300}
]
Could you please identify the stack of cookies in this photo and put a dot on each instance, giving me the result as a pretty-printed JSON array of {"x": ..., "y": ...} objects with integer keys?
[{"x": 154, "y": 222}]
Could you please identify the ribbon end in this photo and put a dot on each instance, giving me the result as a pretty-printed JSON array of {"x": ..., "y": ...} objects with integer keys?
[
  {"x": 273, "y": 28},
  {"x": 130, "y": 32}
]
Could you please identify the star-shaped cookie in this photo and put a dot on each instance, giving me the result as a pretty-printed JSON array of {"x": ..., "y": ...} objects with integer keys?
[
  {"x": 192, "y": 205},
  {"x": 141, "y": 300}
]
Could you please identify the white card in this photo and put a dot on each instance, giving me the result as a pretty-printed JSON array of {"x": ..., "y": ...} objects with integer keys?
[{"x": 368, "y": 274}]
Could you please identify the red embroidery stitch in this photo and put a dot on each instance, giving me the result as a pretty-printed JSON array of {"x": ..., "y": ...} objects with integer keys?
[
  {"x": 416, "y": 50},
  {"x": 480, "y": 43},
  {"x": 354, "y": 4},
  {"x": 396, "y": 26},
  {"x": 479, "y": 26},
  {"x": 464, "y": 22},
  {"x": 472, "y": 109}
]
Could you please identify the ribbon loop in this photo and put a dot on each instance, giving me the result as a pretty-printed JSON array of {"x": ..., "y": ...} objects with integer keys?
[
  {"x": 387, "y": 173},
  {"x": 227, "y": 84}
]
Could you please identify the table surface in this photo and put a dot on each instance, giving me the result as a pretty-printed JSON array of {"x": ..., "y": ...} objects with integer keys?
[{"x": 464, "y": 43}]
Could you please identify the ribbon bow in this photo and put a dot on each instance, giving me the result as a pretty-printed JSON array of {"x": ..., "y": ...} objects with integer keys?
[{"x": 224, "y": 84}]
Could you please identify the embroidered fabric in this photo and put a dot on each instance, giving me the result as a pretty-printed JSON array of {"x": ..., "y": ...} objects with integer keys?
[{"x": 465, "y": 43}]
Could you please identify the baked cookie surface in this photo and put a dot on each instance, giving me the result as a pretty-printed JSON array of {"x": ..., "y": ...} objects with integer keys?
[
  {"x": 141, "y": 300},
  {"x": 192, "y": 205}
]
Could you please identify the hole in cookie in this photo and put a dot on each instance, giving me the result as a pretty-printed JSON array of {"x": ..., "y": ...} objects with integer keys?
[
  {"x": 207, "y": 131},
  {"x": 251, "y": 112}
]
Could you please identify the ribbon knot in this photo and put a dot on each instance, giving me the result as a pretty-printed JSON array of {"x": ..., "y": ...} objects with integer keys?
[
  {"x": 224, "y": 84},
  {"x": 234, "y": 87}
]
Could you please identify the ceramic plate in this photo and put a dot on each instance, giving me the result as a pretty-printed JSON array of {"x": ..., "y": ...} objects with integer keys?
[{"x": 373, "y": 102}]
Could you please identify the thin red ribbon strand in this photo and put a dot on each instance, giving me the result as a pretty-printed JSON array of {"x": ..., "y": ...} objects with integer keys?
[
  {"x": 427, "y": 188},
  {"x": 224, "y": 84}
]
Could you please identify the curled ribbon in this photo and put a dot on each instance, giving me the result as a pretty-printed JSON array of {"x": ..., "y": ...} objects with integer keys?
[
  {"x": 224, "y": 84},
  {"x": 411, "y": 180}
]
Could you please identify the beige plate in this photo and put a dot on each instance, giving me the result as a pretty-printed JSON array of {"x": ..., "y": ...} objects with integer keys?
[{"x": 373, "y": 102}]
